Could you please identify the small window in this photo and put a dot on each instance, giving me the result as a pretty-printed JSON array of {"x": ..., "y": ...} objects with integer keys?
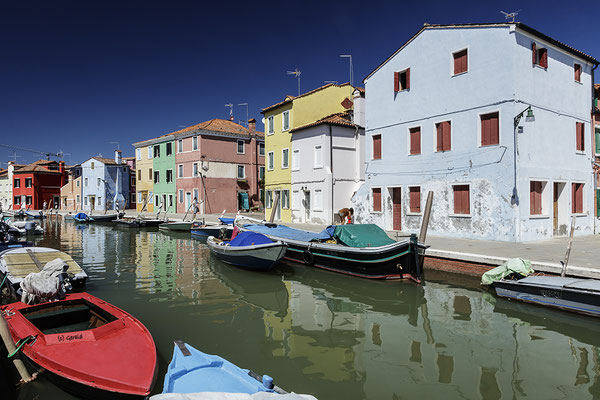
[
  {"x": 270, "y": 161},
  {"x": 318, "y": 200},
  {"x": 296, "y": 200},
  {"x": 402, "y": 80},
  {"x": 169, "y": 149},
  {"x": 270, "y": 125},
  {"x": 318, "y": 157},
  {"x": 195, "y": 167},
  {"x": 443, "y": 136},
  {"x": 415, "y": 199},
  {"x": 376, "y": 147},
  {"x": 597, "y": 137},
  {"x": 460, "y": 62},
  {"x": 539, "y": 56},
  {"x": 180, "y": 171},
  {"x": 180, "y": 146},
  {"x": 17, "y": 200},
  {"x": 157, "y": 200},
  {"x": 577, "y": 198},
  {"x": 170, "y": 200},
  {"x": 85, "y": 182},
  {"x": 261, "y": 149},
  {"x": 99, "y": 201},
  {"x": 241, "y": 171},
  {"x": 577, "y": 70},
  {"x": 77, "y": 183},
  {"x": 376, "y": 195},
  {"x": 78, "y": 199},
  {"x": 132, "y": 198},
  {"x": 157, "y": 151},
  {"x": 169, "y": 176},
  {"x": 132, "y": 181},
  {"x": 156, "y": 176},
  {"x": 195, "y": 143},
  {"x": 580, "y": 136},
  {"x": 295, "y": 160},
  {"x": 261, "y": 173},
  {"x": 139, "y": 174},
  {"x": 285, "y": 158},
  {"x": 138, "y": 153},
  {"x": 285, "y": 199},
  {"x": 490, "y": 129},
  {"x": 268, "y": 199},
  {"x": 98, "y": 182},
  {"x": 535, "y": 197},
  {"x": 149, "y": 152},
  {"x": 28, "y": 182},
  {"x": 196, "y": 194},
  {"x": 415, "y": 140},
  {"x": 180, "y": 192},
  {"x": 17, "y": 183},
  {"x": 28, "y": 200},
  {"x": 461, "y": 199},
  {"x": 286, "y": 120},
  {"x": 240, "y": 147},
  {"x": 150, "y": 174}
]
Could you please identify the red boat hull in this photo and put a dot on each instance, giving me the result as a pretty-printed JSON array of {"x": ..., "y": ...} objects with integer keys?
[{"x": 116, "y": 358}]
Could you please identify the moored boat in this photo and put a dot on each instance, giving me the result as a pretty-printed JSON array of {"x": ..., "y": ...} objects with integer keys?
[
  {"x": 249, "y": 250},
  {"x": 105, "y": 217},
  {"x": 183, "y": 226},
  {"x": 86, "y": 346},
  {"x": 81, "y": 217},
  {"x": 131, "y": 222},
  {"x": 362, "y": 250},
  {"x": 221, "y": 230},
  {"x": 26, "y": 227}
]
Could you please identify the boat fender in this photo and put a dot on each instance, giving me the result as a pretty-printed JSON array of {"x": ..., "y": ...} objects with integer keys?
[{"x": 308, "y": 257}]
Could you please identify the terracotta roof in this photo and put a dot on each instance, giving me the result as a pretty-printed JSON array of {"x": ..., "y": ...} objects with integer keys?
[
  {"x": 217, "y": 125},
  {"x": 338, "y": 119},
  {"x": 36, "y": 168},
  {"x": 3, "y": 172},
  {"x": 289, "y": 98},
  {"x": 360, "y": 89},
  {"x": 44, "y": 162},
  {"x": 519, "y": 25},
  {"x": 106, "y": 161}
]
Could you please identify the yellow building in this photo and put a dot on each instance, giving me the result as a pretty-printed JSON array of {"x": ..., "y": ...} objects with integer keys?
[
  {"x": 279, "y": 119},
  {"x": 144, "y": 184}
]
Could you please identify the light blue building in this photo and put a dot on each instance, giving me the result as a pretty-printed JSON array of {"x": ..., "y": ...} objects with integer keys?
[
  {"x": 105, "y": 183},
  {"x": 494, "y": 119}
]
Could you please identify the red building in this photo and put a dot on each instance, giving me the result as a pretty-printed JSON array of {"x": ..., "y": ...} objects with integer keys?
[{"x": 38, "y": 182}]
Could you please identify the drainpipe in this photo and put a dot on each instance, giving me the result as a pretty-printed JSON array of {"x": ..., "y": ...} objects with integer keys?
[
  {"x": 593, "y": 129},
  {"x": 331, "y": 169}
]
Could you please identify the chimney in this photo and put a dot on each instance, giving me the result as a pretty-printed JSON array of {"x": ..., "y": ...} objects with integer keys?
[
  {"x": 252, "y": 125},
  {"x": 118, "y": 157}
]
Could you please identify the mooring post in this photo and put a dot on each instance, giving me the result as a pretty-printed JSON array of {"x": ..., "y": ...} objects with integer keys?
[
  {"x": 10, "y": 347},
  {"x": 275, "y": 205},
  {"x": 426, "y": 215},
  {"x": 566, "y": 261}
]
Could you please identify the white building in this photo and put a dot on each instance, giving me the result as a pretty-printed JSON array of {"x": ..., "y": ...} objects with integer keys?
[
  {"x": 327, "y": 165},
  {"x": 444, "y": 113}
]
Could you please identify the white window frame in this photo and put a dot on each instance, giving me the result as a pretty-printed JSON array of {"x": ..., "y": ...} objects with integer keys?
[
  {"x": 270, "y": 161},
  {"x": 296, "y": 160},
  {"x": 243, "y": 146},
  {"x": 243, "y": 172},
  {"x": 452, "y": 74},
  {"x": 180, "y": 170},
  {"x": 78, "y": 199},
  {"x": 434, "y": 127},
  {"x": 138, "y": 153},
  {"x": 196, "y": 194},
  {"x": 180, "y": 145},
  {"x": 408, "y": 212},
  {"x": 150, "y": 154},
  {"x": 319, "y": 164},
  {"x": 546, "y": 199},
  {"x": 295, "y": 200},
  {"x": 451, "y": 200},
  {"x": 268, "y": 199},
  {"x": 480, "y": 133},
  {"x": 261, "y": 172},
  {"x": 584, "y": 213},
  {"x": 371, "y": 199},
  {"x": 180, "y": 197},
  {"x": 139, "y": 197},
  {"x": 167, "y": 176},
  {"x": 261, "y": 149},
  {"x": 286, "y": 158},
  {"x": 194, "y": 143},
  {"x": 408, "y": 140},
  {"x": 85, "y": 182},
  {"x": 270, "y": 125},
  {"x": 195, "y": 169},
  {"x": 98, "y": 182},
  {"x": 317, "y": 205},
  {"x": 283, "y": 127},
  {"x": 285, "y": 195}
]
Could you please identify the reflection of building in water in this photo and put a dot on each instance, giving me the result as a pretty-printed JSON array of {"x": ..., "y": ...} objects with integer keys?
[
  {"x": 431, "y": 340},
  {"x": 93, "y": 247}
]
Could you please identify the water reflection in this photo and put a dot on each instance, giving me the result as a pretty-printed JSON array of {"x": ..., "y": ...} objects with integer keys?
[{"x": 335, "y": 336}]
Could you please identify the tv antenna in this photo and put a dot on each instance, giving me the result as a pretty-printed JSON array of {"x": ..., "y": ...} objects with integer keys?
[
  {"x": 230, "y": 105},
  {"x": 512, "y": 15},
  {"x": 245, "y": 104},
  {"x": 45, "y": 153},
  {"x": 297, "y": 73},
  {"x": 328, "y": 82}
]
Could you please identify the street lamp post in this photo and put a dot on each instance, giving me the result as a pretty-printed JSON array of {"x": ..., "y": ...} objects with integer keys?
[{"x": 529, "y": 118}]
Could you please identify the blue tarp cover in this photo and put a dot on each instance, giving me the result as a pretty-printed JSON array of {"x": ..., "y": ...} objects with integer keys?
[
  {"x": 249, "y": 239},
  {"x": 81, "y": 216},
  {"x": 286, "y": 232},
  {"x": 226, "y": 221}
]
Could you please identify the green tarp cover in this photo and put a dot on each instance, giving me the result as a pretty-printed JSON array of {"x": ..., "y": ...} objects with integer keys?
[
  {"x": 514, "y": 265},
  {"x": 361, "y": 235}
]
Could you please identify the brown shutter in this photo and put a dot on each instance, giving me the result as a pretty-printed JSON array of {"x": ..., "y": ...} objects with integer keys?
[
  {"x": 376, "y": 147},
  {"x": 415, "y": 199},
  {"x": 460, "y": 62},
  {"x": 446, "y": 140},
  {"x": 577, "y": 68},
  {"x": 580, "y": 132},
  {"x": 490, "y": 129},
  {"x": 415, "y": 141},
  {"x": 376, "y": 199},
  {"x": 465, "y": 63},
  {"x": 533, "y": 54},
  {"x": 396, "y": 81},
  {"x": 440, "y": 136},
  {"x": 535, "y": 198},
  {"x": 407, "y": 79},
  {"x": 544, "y": 58},
  {"x": 456, "y": 64}
]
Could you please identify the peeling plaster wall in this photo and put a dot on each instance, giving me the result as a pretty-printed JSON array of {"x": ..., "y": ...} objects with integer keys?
[{"x": 546, "y": 147}]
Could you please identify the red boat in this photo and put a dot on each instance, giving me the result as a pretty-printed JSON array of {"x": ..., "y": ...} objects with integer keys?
[{"x": 91, "y": 348}]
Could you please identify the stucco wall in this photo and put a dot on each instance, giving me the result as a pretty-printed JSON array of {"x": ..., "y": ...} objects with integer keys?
[{"x": 144, "y": 182}]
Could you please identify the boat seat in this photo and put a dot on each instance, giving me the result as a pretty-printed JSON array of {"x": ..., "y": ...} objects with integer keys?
[{"x": 78, "y": 318}]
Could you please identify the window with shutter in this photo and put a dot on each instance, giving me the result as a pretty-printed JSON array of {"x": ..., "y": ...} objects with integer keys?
[
  {"x": 490, "y": 131},
  {"x": 543, "y": 56},
  {"x": 580, "y": 136},
  {"x": 376, "y": 192},
  {"x": 318, "y": 157},
  {"x": 533, "y": 53},
  {"x": 577, "y": 70},
  {"x": 461, "y": 199},
  {"x": 396, "y": 81},
  {"x": 415, "y": 199},
  {"x": 577, "y": 198},
  {"x": 597, "y": 137},
  {"x": 443, "y": 136},
  {"x": 415, "y": 140},
  {"x": 460, "y": 62},
  {"x": 376, "y": 147},
  {"x": 535, "y": 198},
  {"x": 402, "y": 80}
]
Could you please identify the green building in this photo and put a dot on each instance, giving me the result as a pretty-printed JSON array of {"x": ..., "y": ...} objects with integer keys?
[{"x": 164, "y": 175}]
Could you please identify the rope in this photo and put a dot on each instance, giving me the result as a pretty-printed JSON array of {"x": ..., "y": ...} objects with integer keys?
[
  {"x": 20, "y": 344},
  {"x": 2, "y": 284}
]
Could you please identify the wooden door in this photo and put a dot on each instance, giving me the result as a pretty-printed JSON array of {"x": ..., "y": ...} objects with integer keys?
[
  {"x": 555, "y": 208},
  {"x": 396, "y": 209}
]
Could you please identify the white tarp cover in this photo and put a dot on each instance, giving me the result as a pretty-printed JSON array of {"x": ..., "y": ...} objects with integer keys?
[
  {"x": 511, "y": 266},
  {"x": 45, "y": 285},
  {"x": 232, "y": 396}
]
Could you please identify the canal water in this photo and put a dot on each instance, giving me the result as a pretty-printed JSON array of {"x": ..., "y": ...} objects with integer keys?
[{"x": 329, "y": 335}]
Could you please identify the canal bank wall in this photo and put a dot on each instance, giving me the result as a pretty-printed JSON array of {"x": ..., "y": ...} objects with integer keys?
[{"x": 474, "y": 257}]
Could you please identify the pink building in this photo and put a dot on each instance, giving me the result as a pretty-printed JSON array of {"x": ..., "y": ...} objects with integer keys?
[{"x": 220, "y": 163}]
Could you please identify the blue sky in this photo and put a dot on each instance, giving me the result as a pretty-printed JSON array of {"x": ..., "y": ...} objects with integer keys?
[{"x": 78, "y": 75}]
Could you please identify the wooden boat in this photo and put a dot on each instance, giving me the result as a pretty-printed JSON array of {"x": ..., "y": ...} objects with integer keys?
[
  {"x": 248, "y": 250},
  {"x": 572, "y": 294},
  {"x": 25, "y": 227},
  {"x": 105, "y": 217},
  {"x": 221, "y": 230},
  {"x": 17, "y": 263},
  {"x": 81, "y": 217},
  {"x": 87, "y": 346},
  {"x": 131, "y": 222},
  {"x": 183, "y": 226},
  {"x": 192, "y": 371},
  {"x": 362, "y": 250}
]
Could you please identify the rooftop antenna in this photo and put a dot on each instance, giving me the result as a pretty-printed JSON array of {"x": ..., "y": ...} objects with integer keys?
[
  {"x": 297, "y": 73},
  {"x": 230, "y": 105},
  {"x": 512, "y": 15},
  {"x": 328, "y": 82},
  {"x": 245, "y": 104},
  {"x": 349, "y": 56},
  {"x": 117, "y": 143},
  {"x": 15, "y": 156}
]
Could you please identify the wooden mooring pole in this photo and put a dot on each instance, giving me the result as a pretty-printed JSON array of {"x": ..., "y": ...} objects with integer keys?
[
  {"x": 10, "y": 347},
  {"x": 566, "y": 261},
  {"x": 426, "y": 215},
  {"x": 275, "y": 205}
]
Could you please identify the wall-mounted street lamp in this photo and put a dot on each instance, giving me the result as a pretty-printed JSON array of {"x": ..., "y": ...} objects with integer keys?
[{"x": 514, "y": 199}]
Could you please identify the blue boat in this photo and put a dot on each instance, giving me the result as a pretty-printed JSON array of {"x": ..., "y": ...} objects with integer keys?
[
  {"x": 81, "y": 217},
  {"x": 192, "y": 371},
  {"x": 249, "y": 250},
  {"x": 222, "y": 230}
]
